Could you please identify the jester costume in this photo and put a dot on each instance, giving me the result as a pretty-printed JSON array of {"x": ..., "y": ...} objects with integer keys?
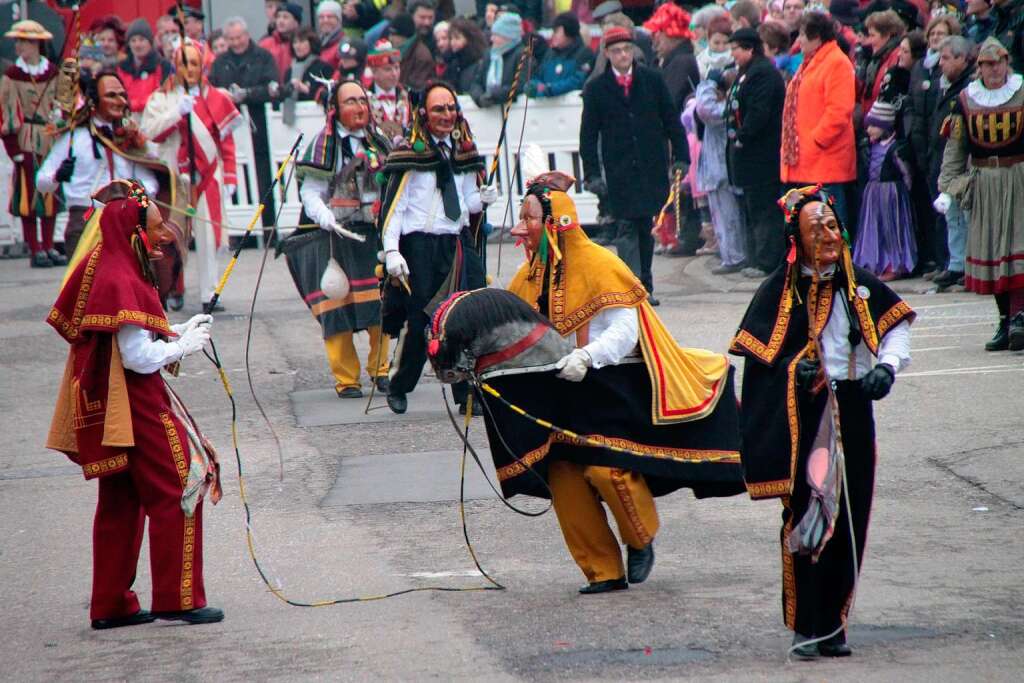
[
  {"x": 794, "y": 427},
  {"x": 435, "y": 237},
  {"x": 338, "y": 184},
  {"x": 673, "y": 408},
  {"x": 128, "y": 429}
]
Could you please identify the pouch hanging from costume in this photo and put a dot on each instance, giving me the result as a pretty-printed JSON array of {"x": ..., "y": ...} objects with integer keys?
[
  {"x": 824, "y": 472},
  {"x": 446, "y": 182},
  {"x": 334, "y": 282}
]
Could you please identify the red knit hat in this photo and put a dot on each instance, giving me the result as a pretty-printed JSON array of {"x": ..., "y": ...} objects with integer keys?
[
  {"x": 617, "y": 34},
  {"x": 670, "y": 19}
]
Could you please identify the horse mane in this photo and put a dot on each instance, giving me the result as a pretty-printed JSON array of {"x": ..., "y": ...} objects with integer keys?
[{"x": 484, "y": 310}]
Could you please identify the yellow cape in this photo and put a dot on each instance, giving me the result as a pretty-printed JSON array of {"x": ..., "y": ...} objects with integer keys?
[{"x": 686, "y": 384}]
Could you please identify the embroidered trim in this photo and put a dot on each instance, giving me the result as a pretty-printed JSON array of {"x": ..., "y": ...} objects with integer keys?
[
  {"x": 101, "y": 467},
  {"x": 72, "y": 328},
  {"x": 188, "y": 564},
  {"x": 527, "y": 461},
  {"x": 893, "y": 317},
  {"x": 626, "y": 498},
  {"x": 177, "y": 451},
  {"x": 788, "y": 575},
  {"x": 112, "y": 322},
  {"x": 766, "y": 352},
  {"x": 769, "y": 489},
  {"x": 566, "y": 323}
]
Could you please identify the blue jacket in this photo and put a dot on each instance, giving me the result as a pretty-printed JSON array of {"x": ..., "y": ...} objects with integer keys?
[{"x": 562, "y": 71}]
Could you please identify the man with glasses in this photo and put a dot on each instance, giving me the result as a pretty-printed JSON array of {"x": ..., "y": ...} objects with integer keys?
[{"x": 430, "y": 250}]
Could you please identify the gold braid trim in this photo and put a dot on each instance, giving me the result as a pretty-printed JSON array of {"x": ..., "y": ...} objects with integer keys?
[
  {"x": 112, "y": 322},
  {"x": 101, "y": 467},
  {"x": 72, "y": 328},
  {"x": 566, "y": 323},
  {"x": 622, "y": 491},
  {"x": 766, "y": 352},
  {"x": 893, "y": 317}
]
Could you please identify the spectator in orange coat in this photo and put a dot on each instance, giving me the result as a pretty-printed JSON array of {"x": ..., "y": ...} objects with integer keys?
[{"x": 817, "y": 119}]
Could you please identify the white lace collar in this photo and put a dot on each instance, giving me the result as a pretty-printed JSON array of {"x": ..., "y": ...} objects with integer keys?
[
  {"x": 37, "y": 70},
  {"x": 994, "y": 98}
]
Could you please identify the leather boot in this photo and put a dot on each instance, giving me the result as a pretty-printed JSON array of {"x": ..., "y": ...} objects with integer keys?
[
  {"x": 802, "y": 647},
  {"x": 1015, "y": 333},
  {"x": 1001, "y": 340}
]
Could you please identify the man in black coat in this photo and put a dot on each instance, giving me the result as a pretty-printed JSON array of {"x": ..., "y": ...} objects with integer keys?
[
  {"x": 250, "y": 76},
  {"x": 753, "y": 118},
  {"x": 629, "y": 109}
]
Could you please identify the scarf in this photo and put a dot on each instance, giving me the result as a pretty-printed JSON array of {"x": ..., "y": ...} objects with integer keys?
[
  {"x": 496, "y": 67},
  {"x": 931, "y": 58},
  {"x": 790, "y": 140}
]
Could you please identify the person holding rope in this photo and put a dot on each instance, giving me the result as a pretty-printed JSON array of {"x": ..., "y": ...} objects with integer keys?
[
  {"x": 193, "y": 123},
  {"x": 27, "y": 101},
  {"x": 433, "y": 186},
  {"x": 122, "y": 424},
  {"x": 821, "y": 339},
  {"x": 333, "y": 265},
  {"x": 676, "y": 412}
]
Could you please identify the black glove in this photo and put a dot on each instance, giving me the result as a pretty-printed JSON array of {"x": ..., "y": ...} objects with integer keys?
[
  {"x": 806, "y": 371},
  {"x": 66, "y": 170},
  {"x": 596, "y": 185},
  {"x": 877, "y": 383}
]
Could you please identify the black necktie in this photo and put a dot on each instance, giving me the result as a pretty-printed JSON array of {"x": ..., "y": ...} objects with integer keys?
[
  {"x": 346, "y": 148},
  {"x": 446, "y": 178}
]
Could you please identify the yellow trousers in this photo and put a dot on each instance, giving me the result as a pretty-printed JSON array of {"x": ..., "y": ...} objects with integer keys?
[
  {"x": 344, "y": 361},
  {"x": 577, "y": 492}
]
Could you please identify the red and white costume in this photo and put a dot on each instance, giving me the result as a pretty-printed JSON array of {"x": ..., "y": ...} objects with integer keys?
[{"x": 213, "y": 118}]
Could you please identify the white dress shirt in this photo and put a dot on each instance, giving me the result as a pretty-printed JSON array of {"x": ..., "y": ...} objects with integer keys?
[
  {"x": 90, "y": 173},
  {"x": 315, "y": 192},
  {"x": 613, "y": 333},
  {"x": 419, "y": 208},
  {"x": 893, "y": 349},
  {"x": 142, "y": 352}
]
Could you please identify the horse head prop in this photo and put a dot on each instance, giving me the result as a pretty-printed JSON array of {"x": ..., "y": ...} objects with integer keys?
[{"x": 488, "y": 331}]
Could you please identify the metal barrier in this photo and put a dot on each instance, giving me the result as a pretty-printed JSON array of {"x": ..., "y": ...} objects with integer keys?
[{"x": 552, "y": 123}]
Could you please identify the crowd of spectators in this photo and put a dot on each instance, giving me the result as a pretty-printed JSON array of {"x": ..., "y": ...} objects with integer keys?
[{"x": 774, "y": 93}]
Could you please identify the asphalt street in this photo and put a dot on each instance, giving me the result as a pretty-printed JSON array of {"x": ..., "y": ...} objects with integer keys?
[{"x": 940, "y": 597}]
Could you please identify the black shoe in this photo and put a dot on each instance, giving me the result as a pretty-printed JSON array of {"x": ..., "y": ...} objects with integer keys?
[
  {"x": 57, "y": 258},
  {"x": 1001, "y": 340},
  {"x": 202, "y": 615},
  {"x": 605, "y": 586},
  {"x": 383, "y": 384},
  {"x": 175, "y": 302},
  {"x": 652, "y": 300},
  {"x": 140, "y": 617},
  {"x": 680, "y": 250},
  {"x": 398, "y": 403},
  {"x": 41, "y": 260},
  {"x": 835, "y": 646},
  {"x": 802, "y": 650},
  {"x": 948, "y": 278},
  {"x": 639, "y": 563},
  {"x": 1016, "y": 332},
  {"x": 350, "y": 392}
]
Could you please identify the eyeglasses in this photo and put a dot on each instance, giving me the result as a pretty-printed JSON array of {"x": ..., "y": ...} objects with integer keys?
[
  {"x": 620, "y": 49},
  {"x": 442, "y": 108}
]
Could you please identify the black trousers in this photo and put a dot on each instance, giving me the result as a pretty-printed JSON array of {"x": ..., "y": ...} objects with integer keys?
[
  {"x": 763, "y": 226},
  {"x": 261, "y": 157},
  {"x": 635, "y": 245},
  {"x": 816, "y": 596},
  {"x": 430, "y": 259}
]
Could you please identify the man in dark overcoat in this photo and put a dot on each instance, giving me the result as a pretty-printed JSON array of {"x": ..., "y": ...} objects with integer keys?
[
  {"x": 753, "y": 118},
  {"x": 630, "y": 113}
]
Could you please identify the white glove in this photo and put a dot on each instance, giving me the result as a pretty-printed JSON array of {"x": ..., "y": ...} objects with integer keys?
[
  {"x": 194, "y": 340},
  {"x": 185, "y": 105},
  {"x": 18, "y": 157},
  {"x": 489, "y": 194},
  {"x": 395, "y": 264},
  {"x": 194, "y": 321},
  {"x": 336, "y": 227},
  {"x": 229, "y": 189},
  {"x": 573, "y": 367},
  {"x": 943, "y": 203},
  {"x": 237, "y": 92}
]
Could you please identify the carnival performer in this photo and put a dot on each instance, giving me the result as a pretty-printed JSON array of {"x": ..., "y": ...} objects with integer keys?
[
  {"x": 809, "y": 338},
  {"x": 27, "y": 101},
  {"x": 122, "y": 424},
  {"x": 389, "y": 99},
  {"x": 592, "y": 298},
  {"x": 187, "y": 104},
  {"x": 334, "y": 265},
  {"x": 433, "y": 186},
  {"x": 983, "y": 171}
]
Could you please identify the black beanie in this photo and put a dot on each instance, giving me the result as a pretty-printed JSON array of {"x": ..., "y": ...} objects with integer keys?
[
  {"x": 569, "y": 23},
  {"x": 402, "y": 25}
]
